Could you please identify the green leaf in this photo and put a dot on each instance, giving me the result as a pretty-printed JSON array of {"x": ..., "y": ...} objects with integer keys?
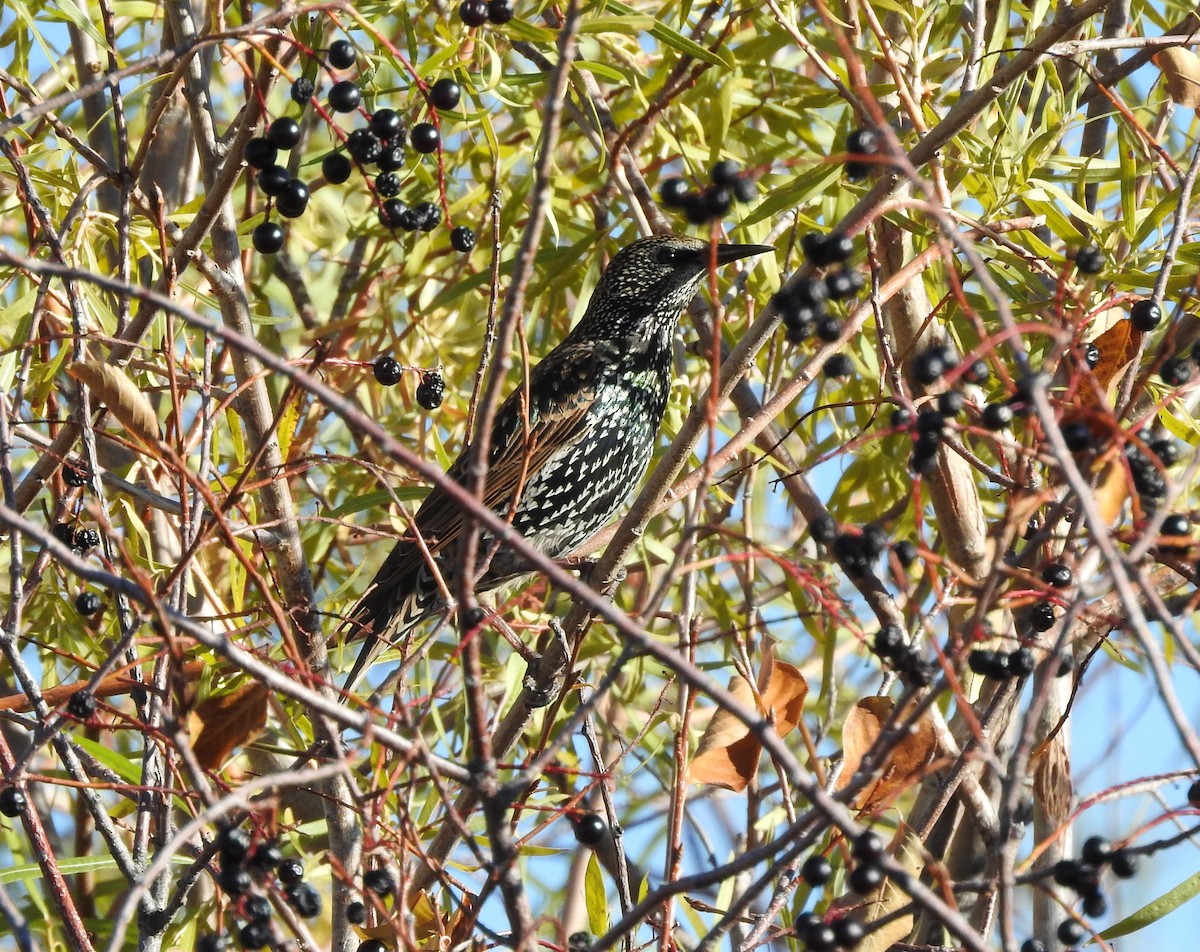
[
  {"x": 1155, "y": 910},
  {"x": 673, "y": 38},
  {"x": 595, "y": 897},
  {"x": 379, "y": 499}
]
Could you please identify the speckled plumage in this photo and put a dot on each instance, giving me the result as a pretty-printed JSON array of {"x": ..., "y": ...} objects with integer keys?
[{"x": 596, "y": 402}]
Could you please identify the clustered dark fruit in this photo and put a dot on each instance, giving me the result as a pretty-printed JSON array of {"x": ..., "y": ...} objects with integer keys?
[
  {"x": 590, "y": 829},
  {"x": 380, "y": 881},
  {"x": 857, "y": 550},
  {"x": 727, "y": 184},
  {"x": 802, "y": 302},
  {"x": 430, "y": 390},
  {"x": 816, "y": 870},
  {"x": 1002, "y": 665},
  {"x": 860, "y": 142},
  {"x": 905, "y": 552},
  {"x": 894, "y": 649},
  {"x": 87, "y": 603},
  {"x": 1089, "y": 260},
  {"x": 75, "y": 475},
  {"x": 1148, "y": 479},
  {"x": 76, "y": 539}
]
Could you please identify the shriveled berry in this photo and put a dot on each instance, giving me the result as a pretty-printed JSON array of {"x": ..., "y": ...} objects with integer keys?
[
  {"x": 336, "y": 168},
  {"x": 392, "y": 213},
  {"x": 302, "y": 90},
  {"x": 1145, "y": 315},
  {"x": 424, "y": 137},
  {"x": 430, "y": 390},
  {"x": 473, "y": 12},
  {"x": 82, "y": 704},
  {"x": 341, "y": 54},
  {"x": 267, "y": 238},
  {"x": 590, "y": 829},
  {"x": 260, "y": 153},
  {"x": 290, "y": 872},
  {"x": 364, "y": 145},
  {"x": 86, "y": 539},
  {"x": 499, "y": 11},
  {"x": 429, "y": 216},
  {"x": 816, "y": 870},
  {"x": 12, "y": 801},
  {"x": 1089, "y": 260},
  {"x": 388, "y": 371},
  {"x": 380, "y": 881},
  {"x": 345, "y": 96},
  {"x": 1042, "y": 616},
  {"x": 87, "y": 603},
  {"x": 462, "y": 238},
  {"x": 445, "y": 94},
  {"x": 304, "y": 898},
  {"x": 293, "y": 200}
]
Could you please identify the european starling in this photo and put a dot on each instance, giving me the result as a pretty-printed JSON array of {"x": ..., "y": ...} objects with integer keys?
[{"x": 595, "y": 405}]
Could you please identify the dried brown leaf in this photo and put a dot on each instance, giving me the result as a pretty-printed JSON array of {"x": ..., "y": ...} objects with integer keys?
[
  {"x": 220, "y": 724},
  {"x": 1181, "y": 73},
  {"x": 1112, "y": 489},
  {"x": 905, "y": 764},
  {"x": 121, "y": 395}
]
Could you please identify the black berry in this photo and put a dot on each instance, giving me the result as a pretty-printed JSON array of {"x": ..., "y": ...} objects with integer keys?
[
  {"x": 304, "y": 898},
  {"x": 847, "y": 932},
  {"x": 235, "y": 881},
  {"x": 1123, "y": 864},
  {"x": 823, "y": 528},
  {"x": 1089, "y": 260},
  {"x": 499, "y": 11},
  {"x": 292, "y": 201},
  {"x": 1095, "y": 905},
  {"x": 82, "y": 704},
  {"x": 672, "y": 191},
  {"x": 284, "y": 133},
  {"x": 1058, "y": 575},
  {"x": 1070, "y": 932},
  {"x": 717, "y": 201},
  {"x": 75, "y": 475},
  {"x": 462, "y": 239},
  {"x": 1176, "y": 371},
  {"x": 838, "y": 366},
  {"x": 445, "y": 94},
  {"x": 863, "y": 142},
  {"x": 233, "y": 843},
  {"x": 744, "y": 189},
  {"x": 473, "y": 12},
  {"x": 829, "y": 329},
  {"x": 290, "y": 872},
  {"x": 1166, "y": 449},
  {"x": 386, "y": 123},
  {"x": 929, "y": 365},
  {"x": 430, "y": 390},
  {"x": 341, "y": 54},
  {"x": 391, "y": 158},
  {"x": 266, "y": 857},
  {"x": 951, "y": 402},
  {"x": 86, "y": 539},
  {"x": 344, "y": 96},
  {"x": 1091, "y": 355},
  {"x": 590, "y": 829},
  {"x": 977, "y": 373},
  {"x": 1145, "y": 315},
  {"x": 388, "y": 371},
  {"x": 996, "y": 416},
  {"x": 824, "y": 250},
  {"x": 392, "y": 213},
  {"x": 87, "y": 603},
  {"x": 424, "y": 137},
  {"x": 211, "y": 942},
  {"x": 258, "y": 908},
  {"x": 260, "y": 153},
  {"x": 12, "y": 801},
  {"x": 868, "y": 846},
  {"x": 387, "y": 184},
  {"x": 336, "y": 168},
  {"x": 889, "y": 640},
  {"x": 816, "y": 870},
  {"x": 843, "y": 283},
  {"x": 372, "y": 945},
  {"x": 1042, "y": 616},
  {"x": 1078, "y": 436},
  {"x": 273, "y": 179},
  {"x": 906, "y": 552},
  {"x": 380, "y": 881},
  {"x": 267, "y": 238},
  {"x": 864, "y": 878},
  {"x": 356, "y": 913},
  {"x": 254, "y": 935},
  {"x": 1021, "y": 662},
  {"x": 724, "y": 173},
  {"x": 988, "y": 663},
  {"x": 1033, "y": 945},
  {"x": 364, "y": 145}
]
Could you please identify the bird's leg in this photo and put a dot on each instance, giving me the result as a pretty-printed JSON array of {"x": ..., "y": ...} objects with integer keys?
[{"x": 586, "y": 566}]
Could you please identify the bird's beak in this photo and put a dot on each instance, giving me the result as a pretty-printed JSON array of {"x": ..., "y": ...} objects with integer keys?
[{"x": 728, "y": 253}]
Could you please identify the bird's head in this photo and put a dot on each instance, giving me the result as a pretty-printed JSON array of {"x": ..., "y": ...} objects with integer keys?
[{"x": 648, "y": 283}]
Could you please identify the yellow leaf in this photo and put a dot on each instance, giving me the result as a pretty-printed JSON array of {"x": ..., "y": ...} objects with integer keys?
[{"x": 1181, "y": 73}]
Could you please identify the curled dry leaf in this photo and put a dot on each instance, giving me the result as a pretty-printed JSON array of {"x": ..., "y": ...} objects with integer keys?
[
  {"x": 220, "y": 724},
  {"x": 121, "y": 395},
  {"x": 1181, "y": 73},
  {"x": 119, "y": 682},
  {"x": 728, "y": 754},
  {"x": 904, "y": 765}
]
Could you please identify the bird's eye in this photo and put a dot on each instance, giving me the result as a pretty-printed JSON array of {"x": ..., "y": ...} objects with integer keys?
[{"x": 668, "y": 256}]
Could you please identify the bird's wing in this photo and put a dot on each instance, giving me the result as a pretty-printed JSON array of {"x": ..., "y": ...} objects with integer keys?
[{"x": 562, "y": 389}]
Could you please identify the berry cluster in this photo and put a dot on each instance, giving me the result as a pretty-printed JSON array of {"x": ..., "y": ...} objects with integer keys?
[
  {"x": 389, "y": 372},
  {"x": 727, "y": 185},
  {"x": 802, "y": 303},
  {"x": 1082, "y": 876},
  {"x": 378, "y": 150},
  {"x": 843, "y": 932},
  {"x": 864, "y": 143},
  {"x": 1002, "y": 665},
  {"x": 246, "y": 871},
  {"x": 479, "y": 12},
  {"x": 75, "y": 475},
  {"x": 1180, "y": 369},
  {"x": 892, "y": 648}
]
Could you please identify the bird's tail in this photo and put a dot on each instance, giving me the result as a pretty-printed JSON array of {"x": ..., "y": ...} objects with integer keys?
[{"x": 382, "y": 617}]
